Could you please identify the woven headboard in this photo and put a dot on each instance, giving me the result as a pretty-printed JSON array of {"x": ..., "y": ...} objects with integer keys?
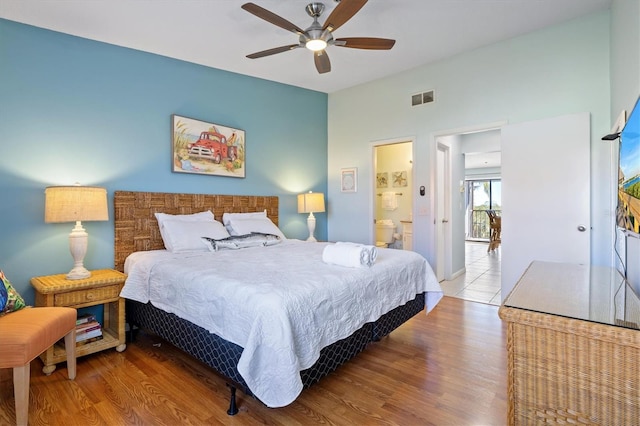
[{"x": 136, "y": 227}]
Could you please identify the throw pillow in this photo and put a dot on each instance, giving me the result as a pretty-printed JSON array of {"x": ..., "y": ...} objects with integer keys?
[
  {"x": 3, "y": 297},
  {"x": 14, "y": 301}
]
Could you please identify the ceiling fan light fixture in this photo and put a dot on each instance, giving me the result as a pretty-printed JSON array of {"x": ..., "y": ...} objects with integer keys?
[
  {"x": 316, "y": 45},
  {"x": 318, "y": 37}
]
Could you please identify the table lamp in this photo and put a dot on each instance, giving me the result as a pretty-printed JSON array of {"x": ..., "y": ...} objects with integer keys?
[
  {"x": 311, "y": 202},
  {"x": 75, "y": 204}
]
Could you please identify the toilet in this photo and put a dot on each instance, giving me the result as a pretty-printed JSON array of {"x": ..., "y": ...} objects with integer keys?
[{"x": 384, "y": 232}]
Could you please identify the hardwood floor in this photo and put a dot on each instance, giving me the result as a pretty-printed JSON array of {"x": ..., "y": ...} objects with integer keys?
[{"x": 445, "y": 368}]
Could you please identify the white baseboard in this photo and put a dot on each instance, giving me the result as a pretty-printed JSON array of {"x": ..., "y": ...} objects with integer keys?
[{"x": 458, "y": 273}]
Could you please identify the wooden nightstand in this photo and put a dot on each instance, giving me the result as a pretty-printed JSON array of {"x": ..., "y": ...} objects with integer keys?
[{"x": 101, "y": 288}]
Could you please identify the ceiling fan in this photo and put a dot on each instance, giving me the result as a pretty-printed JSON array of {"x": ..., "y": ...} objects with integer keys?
[{"x": 318, "y": 37}]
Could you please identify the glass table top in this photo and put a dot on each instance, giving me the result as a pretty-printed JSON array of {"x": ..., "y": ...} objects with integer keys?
[{"x": 592, "y": 293}]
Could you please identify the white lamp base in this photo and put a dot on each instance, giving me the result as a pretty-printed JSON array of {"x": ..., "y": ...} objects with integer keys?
[
  {"x": 78, "y": 273},
  {"x": 78, "y": 239},
  {"x": 311, "y": 224}
]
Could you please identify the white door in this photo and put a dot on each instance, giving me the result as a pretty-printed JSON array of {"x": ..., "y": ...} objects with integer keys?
[
  {"x": 443, "y": 209},
  {"x": 545, "y": 194}
]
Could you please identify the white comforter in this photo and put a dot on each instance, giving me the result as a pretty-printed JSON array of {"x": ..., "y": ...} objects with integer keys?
[{"x": 282, "y": 303}]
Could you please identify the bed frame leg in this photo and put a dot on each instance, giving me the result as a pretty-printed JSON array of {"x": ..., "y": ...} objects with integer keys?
[
  {"x": 131, "y": 332},
  {"x": 233, "y": 408}
]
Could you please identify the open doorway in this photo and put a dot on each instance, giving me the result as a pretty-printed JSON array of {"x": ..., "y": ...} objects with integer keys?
[
  {"x": 555, "y": 143},
  {"x": 392, "y": 200},
  {"x": 468, "y": 182}
]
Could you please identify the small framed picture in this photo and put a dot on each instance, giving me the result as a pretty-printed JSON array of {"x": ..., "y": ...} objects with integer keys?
[
  {"x": 399, "y": 179},
  {"x": 382, "y": 180},
  {"x": 349, "y": 179}
]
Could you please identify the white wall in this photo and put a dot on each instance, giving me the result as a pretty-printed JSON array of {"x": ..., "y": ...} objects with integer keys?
[
  {"x": 488, "y": 141},
  {"x": 625, "y": 89},
  {"x": 555, "y": 71}
]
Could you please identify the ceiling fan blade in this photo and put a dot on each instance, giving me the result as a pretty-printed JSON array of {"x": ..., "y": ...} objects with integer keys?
[
  {"x": 271, "y": 17},
  {"x": 273, "y": 51},
  {"x": 342, "y": 13},
  {"x": 321, "y": 59},
  {"x": 371, "y": 43}
]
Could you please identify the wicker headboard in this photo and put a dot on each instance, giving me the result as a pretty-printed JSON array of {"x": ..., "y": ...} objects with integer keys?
[{"x": 136, "y": 228}]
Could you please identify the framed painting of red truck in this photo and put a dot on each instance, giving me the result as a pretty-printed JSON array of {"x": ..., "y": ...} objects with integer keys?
[{"x": 207, "y": 148}]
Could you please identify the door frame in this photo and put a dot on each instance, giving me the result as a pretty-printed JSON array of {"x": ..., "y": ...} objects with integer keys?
[
  {"x": 497, "y": 125},
  {"x": 372, "y": 178}
]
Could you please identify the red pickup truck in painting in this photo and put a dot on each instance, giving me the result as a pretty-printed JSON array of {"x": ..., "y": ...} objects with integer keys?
[{"x": 213, "y": 146}]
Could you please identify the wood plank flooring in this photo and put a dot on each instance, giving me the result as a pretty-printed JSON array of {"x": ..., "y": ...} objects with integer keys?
[{"x": 445, "y": 368}]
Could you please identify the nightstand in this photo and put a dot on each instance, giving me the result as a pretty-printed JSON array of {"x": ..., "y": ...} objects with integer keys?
[{"x": 101, "y": 288}]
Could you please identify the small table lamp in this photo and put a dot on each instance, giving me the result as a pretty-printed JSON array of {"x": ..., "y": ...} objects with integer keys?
[
  {"x": 75, "y": 204},
  {"x": 311, "y": 202}
]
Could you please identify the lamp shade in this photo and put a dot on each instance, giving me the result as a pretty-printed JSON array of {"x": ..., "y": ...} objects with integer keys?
[
  {"x": 75, "y": 203},
  {"x": 311, "y": 202}
]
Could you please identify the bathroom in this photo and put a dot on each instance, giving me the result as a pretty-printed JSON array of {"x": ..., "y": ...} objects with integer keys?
[{"x": 393, "y": 195}]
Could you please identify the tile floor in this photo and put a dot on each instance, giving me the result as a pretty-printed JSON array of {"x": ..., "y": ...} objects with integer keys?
[{"x": 481, "y": 282}]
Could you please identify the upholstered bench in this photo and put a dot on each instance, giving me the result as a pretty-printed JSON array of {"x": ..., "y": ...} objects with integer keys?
[{"x": 25, "y": 334}]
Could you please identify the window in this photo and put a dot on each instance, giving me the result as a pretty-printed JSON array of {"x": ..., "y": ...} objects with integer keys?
[{"x": 481, "y": 195}]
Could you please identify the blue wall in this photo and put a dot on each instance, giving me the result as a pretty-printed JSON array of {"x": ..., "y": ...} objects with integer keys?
[{"x": 75, "y": 110}]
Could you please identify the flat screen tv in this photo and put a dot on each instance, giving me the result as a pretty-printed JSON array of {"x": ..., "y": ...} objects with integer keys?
[{"x": 628, "y": 215}]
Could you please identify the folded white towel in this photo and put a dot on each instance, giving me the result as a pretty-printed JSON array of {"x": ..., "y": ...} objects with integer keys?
[
  {"x": 372, "y": 254},
  {"x": 352, "y": 255},
  {"x": 368, "y": 254}
]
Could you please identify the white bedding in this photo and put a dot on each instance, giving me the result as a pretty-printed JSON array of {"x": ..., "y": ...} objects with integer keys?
[{"x": 282, "y": 303}]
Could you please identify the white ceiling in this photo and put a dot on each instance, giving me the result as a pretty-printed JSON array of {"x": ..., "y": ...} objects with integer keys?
[
  {"x": 483, "y": 160},
  {"x": 218, "y": 33}
]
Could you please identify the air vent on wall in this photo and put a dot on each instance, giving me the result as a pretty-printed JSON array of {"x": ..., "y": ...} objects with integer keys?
[{"x": 422, "y": 98}]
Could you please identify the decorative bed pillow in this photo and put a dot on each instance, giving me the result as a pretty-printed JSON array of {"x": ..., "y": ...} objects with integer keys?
[
  {"x": 235, "y": 242},
  {"x": 186, "y": 236},
  {"x": 205, "y": 216},
  {"x": 4, "y": 296},
  {"x": 262, "y": 225},
  {"x": 13, "y": 300}
]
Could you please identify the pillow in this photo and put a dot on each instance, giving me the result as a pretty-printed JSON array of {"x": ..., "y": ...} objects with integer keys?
[
  {"x": 247, "y": 226},
  {"x": 186, "y": 236},
  {"x": 205, "y": 216},
  {"x": 14, "y": 301},
  {"x": 241, "y": 241},
  {"x": 227, "y": 217},
  {"x": 4, "y": 296}
]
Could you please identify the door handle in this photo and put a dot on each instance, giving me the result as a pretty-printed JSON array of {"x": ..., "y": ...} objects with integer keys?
[
  {"x": 581, "y": 228},
  {"x": 445, "y": 221}
]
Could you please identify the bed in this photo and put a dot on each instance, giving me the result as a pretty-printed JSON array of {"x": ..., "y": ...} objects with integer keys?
[{"x": 273, "y": 333}]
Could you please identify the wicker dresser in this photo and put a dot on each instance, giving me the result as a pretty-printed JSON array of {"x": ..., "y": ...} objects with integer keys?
[{"x": 573, "y": 347}]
